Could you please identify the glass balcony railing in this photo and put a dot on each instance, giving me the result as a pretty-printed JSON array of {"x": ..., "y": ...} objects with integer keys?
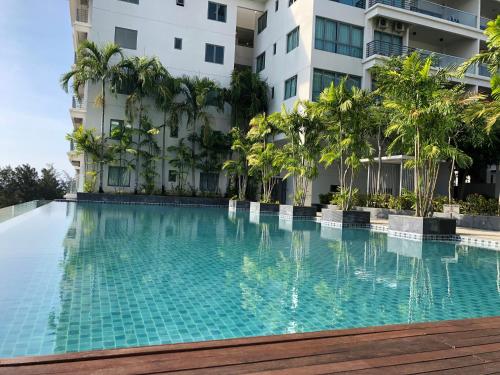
[
  {"x": 77, "y": 103},
  {"x": 378, "y": 47},
  {"x": 483, "y": 23},
  {"x": 483, "y": 70},
  {"x": 432, "y": 9},
  {"x": 82, "y": 15}
]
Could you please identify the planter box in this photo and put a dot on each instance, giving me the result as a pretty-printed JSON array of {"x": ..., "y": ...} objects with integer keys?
[
  {"x": 297, "y": 211},
  {"x": 423, "y": 226},
  {"x": 474, "y": 221},
  {"x": 257, "y": 207},
  {"x": 383, "y": 213},
  {"x": 451, "y": 209},
  {"x": 235, "y": 205},
  {"x": 151, "y": 199},
  {"x": 346, "y": 217}
]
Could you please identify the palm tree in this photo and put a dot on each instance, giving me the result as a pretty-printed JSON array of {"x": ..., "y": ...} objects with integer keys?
[
  {"x": 199, "y": 94},
  {"x": 424, "y": 116},
  {"x": 488, "y": 110},
  {"x": 248, "y": 96},
  {"x": 167, "y": 88},
  {"x": 97, "y": 66},
  {"x": 299, "y": 156},
  {"x": 263, "y": 155},
  {"x": 346, "y": 116},
  {"x": 238, "y": 166},
  {"x": 140, "y": 75}
]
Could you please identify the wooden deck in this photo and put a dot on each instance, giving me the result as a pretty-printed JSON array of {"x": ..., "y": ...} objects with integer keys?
[{"x": 452, "y": 347}]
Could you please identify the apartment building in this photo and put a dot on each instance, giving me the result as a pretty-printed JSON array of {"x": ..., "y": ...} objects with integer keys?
[{"x": 298, "y": 46}]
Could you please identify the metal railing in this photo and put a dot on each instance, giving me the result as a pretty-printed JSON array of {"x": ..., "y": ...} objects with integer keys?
[
  {"x": 483, "y": 23},
  {"x": 82, "y": 15},
  {"x": 354, "y": 3},
  {"x": 77, "y": 103},
  {"x": 440, "y": 60},
  {"x": 432, "y": 9}
]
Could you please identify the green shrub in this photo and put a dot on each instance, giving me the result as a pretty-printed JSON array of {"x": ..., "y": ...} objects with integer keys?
[
  {"x": 438, "y": 202},
  {"x": 378, "y": 200},
  {"x": 476, "y": 204},
  {"x": 325, "y": 198}
]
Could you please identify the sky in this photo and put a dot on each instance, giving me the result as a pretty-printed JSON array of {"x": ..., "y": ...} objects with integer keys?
[{"x": 34, "y": 111}]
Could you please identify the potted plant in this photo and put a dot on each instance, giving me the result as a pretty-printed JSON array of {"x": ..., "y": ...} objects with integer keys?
[
  {"x": 298, "y": 157},
  {"x": 263, "y": 161},
  {"x": 346, "y": 116},
  {"x": 424, "y": 115},
  {"x": 238, "y": 167}
]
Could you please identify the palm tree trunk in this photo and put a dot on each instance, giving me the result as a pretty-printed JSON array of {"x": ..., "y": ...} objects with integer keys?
[
  {"x": 163, "y": 154},
  {"x": 450, "y": 179},
  {"x": 138, "y": 149},
  {"x": 193, "y": 154},
  {"x": 416, "y": 176},
  {"x": 379, "y": 163},
  {"x": 101, "y": 161}
]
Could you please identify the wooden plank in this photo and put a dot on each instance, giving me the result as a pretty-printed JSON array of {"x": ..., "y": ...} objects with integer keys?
[
  {"x": 98, "y": 354},
  {"x": 469, "y": 344},
  {"x": 386, "y": 362}
]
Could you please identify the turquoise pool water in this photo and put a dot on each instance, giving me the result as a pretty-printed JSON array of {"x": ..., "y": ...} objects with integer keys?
[{"x": 81, "y": 277}]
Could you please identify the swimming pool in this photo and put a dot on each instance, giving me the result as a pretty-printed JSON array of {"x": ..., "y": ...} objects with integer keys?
[{"x": 77, "y": 277}]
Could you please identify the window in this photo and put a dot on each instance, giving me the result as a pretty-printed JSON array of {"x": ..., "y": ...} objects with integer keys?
[
  {"x": 262, "y": 23},
  {"x": 126, "y": 38},
  {"x": 124, "y": 86},
  {"x": 217, "y": 12},
  {"x": 118, "y": 176},
  {"x": 261, "y": 62},
  {"x": 174, "y": 131},
  {"x": 323, "y": 79},
  {"x": 276, "y": 5},
  {"x": 214, "y": 54},
  {"x": 388, "y": 44},
  {"x": 209, "y": 182},
  {"x": 178, "y": 43},
  {"x": 290, "y": 87},
  {"x": 292, "y": 39},
  {"x": 338, "y": 37},
  {"x": 354, "y": 3},
  {"x": 290, "y": 2},
  {"x": 131, "y": 1},
  {"x": 274, "y": 49},
  {"x": 115, "y": 128},
  {"x": 180, "y": 3},
  {"x": 172, "y": 175},
  {"x": 272, "y": 92}
]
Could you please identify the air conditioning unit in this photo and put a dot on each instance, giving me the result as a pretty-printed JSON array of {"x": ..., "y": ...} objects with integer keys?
[
  {"x": 382, "y": 23},
  {"x": 398, "y": 27}
]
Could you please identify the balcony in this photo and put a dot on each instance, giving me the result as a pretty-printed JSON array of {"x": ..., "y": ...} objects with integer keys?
[
  {"x": 378, "y": 47},
  {"x": 483, "y": 70},
  {"x": 483, "y": 23},
  {"x": 432, "y": 9},
  {"x": 82, "y": 15},
  {"x": 77, "y": 103}
]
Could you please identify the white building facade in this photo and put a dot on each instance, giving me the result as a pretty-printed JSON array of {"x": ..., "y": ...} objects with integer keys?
[{"x": 297, "y": 46}]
